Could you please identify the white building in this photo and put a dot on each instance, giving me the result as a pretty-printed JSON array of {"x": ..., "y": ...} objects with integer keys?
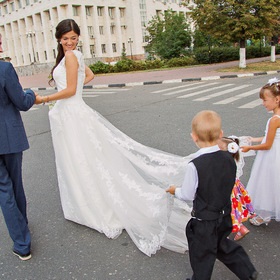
[{"x": 108, "y": 27}]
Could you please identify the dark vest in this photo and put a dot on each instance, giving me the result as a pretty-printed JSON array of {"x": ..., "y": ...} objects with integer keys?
[{"x": 216, "y": 177}]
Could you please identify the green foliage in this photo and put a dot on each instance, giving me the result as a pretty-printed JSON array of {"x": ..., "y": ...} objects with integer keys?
[
  {"x": 216, "y": 55},
  {"x": 124, "y": 65},
  {"x": 180, "y": 61},
  {"x": 168, "y": 36},
  {"x": 237, "y": 20},
  {"x": 100, "y": 67}
]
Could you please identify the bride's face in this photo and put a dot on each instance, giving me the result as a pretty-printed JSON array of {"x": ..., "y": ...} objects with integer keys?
[{"x": 69, "y": 41}]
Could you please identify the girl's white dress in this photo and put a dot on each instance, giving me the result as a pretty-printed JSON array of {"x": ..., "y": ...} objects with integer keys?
[
  {"x": 264, "y": 183},
  {"x": 108, "y": 181}
]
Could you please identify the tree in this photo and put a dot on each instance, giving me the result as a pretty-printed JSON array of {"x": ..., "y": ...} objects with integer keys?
[
  {"x": 236, "y": 20},
  {"x": 169, "y": 35}
]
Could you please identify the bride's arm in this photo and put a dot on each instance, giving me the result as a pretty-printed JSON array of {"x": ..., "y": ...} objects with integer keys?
[
  {"x": 89, "y": 75},
  {"x": 71, "y": 64}
]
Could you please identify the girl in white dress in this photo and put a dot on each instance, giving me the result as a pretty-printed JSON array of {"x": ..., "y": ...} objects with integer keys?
[
  {"x": 108, "y": 181},
  {"x": 264, "y": 183}
]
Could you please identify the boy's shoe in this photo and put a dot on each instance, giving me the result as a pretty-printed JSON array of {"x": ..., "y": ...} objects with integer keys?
[{"x": 24, "y": 257}]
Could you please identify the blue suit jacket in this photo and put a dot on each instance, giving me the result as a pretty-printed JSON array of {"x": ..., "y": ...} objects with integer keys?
[{"x": 12, "y": 100}]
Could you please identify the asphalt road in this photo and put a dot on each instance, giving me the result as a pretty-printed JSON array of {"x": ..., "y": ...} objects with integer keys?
[{"x": 157, "y": 116}]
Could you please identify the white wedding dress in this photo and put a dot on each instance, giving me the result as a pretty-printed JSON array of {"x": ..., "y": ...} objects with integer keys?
[{"x": 108, "y": 181}]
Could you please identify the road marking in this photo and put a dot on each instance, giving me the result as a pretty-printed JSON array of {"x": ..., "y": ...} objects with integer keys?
[
  {"x": 251, "y": 105},
  {"x": 168, "y": 89},
  {"x": 239, "y": 96},
  {"x": 220, "y": 93},
  {"x": 188, "y": 89},
  {"x": 203, "y": 91}
]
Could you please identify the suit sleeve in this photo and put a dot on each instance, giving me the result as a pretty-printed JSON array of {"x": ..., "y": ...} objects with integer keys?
[{"x": 23, "y": 100}]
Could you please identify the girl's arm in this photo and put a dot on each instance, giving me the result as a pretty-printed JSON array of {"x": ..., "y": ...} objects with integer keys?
[
  {"x": 273, "y": 125},
  {"x": 89, "y": 75},
  {"x": 72, "y": 65},
  {"x": 256, "y": 139}
]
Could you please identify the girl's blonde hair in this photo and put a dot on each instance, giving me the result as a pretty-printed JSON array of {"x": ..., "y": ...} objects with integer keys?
[{"x": 273, "y": 87}]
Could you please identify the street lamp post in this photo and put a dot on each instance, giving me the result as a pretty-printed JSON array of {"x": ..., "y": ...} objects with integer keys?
[
  {"x": 31, "y": 34},
  {"x": 130, "y": 43}
]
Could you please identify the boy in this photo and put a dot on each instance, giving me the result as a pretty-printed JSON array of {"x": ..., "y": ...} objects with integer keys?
[{"x": 208, "y": 182}]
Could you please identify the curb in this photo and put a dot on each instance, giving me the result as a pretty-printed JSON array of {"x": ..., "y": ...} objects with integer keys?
[{"x": 167, "y": 81}]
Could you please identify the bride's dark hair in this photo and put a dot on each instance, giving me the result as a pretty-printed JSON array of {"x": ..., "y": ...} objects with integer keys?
[{"x": 63, "y": 27}]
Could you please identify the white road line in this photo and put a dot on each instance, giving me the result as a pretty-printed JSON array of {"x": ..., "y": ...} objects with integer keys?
[
  {"x": 203, "y": 91},
  {"x": 239, "y": 96},
  {"x": 90, "y": 95},
  {"x": 98, "y": 92},
  {"x": 251, "y": 105},
  {"x": 168, "y": 89},
  {"x": 220, "y": 93},
  {"x": 188, "y": 89}
]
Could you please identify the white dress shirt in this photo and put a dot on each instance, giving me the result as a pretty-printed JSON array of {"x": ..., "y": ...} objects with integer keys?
[{"x": 188, "y": 189}]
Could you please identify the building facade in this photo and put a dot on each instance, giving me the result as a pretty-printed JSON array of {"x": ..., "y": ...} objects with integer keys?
[{"x": 109, "y": 28}]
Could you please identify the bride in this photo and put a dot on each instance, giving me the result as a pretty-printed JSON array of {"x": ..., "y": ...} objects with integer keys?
[{"x": 108, "y": 181}]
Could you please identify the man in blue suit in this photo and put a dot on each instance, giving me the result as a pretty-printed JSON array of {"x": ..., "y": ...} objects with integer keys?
[{"x": 13, "y": 142}]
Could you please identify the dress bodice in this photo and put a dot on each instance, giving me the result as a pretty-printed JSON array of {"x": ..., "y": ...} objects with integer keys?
[
  {"x": 59, "y": 75},
  {"x": 277, "y": 135}
]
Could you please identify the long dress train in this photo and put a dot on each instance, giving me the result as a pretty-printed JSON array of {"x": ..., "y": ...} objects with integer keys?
[{"x": 108, "y": 181}]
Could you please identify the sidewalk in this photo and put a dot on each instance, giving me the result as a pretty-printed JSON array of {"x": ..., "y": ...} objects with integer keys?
[{"x": 205, "y": 72}]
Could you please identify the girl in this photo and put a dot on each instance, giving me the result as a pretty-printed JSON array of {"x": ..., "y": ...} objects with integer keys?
[
  {"x": 264, "y": 184},
  {"x": 242, "y": 207}
]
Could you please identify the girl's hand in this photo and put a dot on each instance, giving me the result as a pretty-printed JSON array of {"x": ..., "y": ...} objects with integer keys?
[
  {"x": 171, "y": 190},
  {"x": 245, "y": 149}
]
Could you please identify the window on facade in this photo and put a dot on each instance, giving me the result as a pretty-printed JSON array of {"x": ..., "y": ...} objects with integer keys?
[
  {"x": 12, "y": 5},
  {"x": 88, "y": 11},
  {"x": 5, "y": 9},
  {"x": 19, "y": 4},
  {"x": 101, "y": 30},
  {"x": 46, "y": 57},
  {"x": 92, "y": 50},
  {"x": 27, "y": 2},
  {"x": 35, "y": 1},
  {"x": 0, "y": 12},
  {"x": 90, "y": 30},
  {"x": 75, "y": 11},
  {"x": 103, "y": 48},
  {"x": 111, "y": 12},
  {"x": 100, "y": 11},
  {"x": 112, "y": 29},
  {"x": 122, "y": 12},
  {"x": 54, "y": 55},
  {"x": 114, "y": 47}
]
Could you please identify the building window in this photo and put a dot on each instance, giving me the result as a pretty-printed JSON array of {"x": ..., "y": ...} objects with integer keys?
[
  {"x": 12, "y": 5},
  {"x": 27, "y": 2},
  {"x": 122, "y": 14},
  {"x": 101, "y": 30},
  {"x": 112, "y": 29},
  {"x": 54, "y": 55},
  {"x": 114, "y": 47},
  {"x": 88, "y": 11},
  {"x": 19, "y": 4},
  {"x": 103, "y": 48},
  {"x": 92, "y": 51},
  {"x": 5, "y": 9},
  {"x": 46, "y": 57},
  {"x": 90, "y": 31},
  {"x": 75, "y": 11},
  {"x": 100, "y": 11},
  {"x": 111, "y": 12}
]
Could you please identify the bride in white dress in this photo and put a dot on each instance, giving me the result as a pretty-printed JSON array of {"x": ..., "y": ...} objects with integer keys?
[{"x": 108, "y": 181}]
